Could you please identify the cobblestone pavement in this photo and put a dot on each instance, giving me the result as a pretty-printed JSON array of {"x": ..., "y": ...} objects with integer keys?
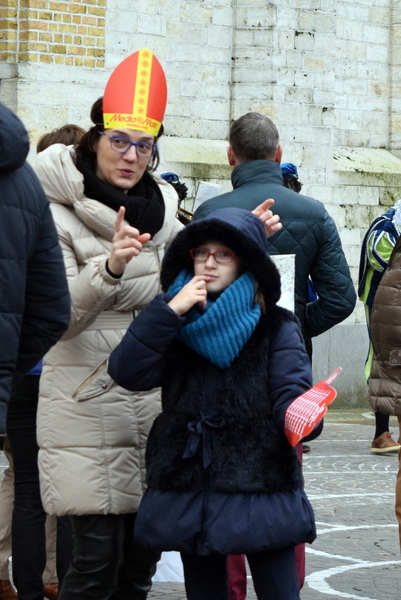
[{"x": 356, "y": 554}]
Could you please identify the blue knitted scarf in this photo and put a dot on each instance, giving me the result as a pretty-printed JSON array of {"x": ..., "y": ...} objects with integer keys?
[{"x": 220, "y": 331}]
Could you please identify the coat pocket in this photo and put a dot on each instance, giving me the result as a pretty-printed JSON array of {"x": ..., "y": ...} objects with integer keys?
[
  {"x": 395, "y": 357},
  {"x": 96, "y": 384}
]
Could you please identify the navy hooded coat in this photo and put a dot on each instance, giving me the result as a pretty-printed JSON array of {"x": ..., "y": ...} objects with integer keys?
[
  {"x": 240, "y": 488},
  {"x": 34, "y": 298}
]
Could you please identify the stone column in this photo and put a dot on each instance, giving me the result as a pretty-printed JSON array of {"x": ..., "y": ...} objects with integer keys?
[{"x": 395, "y": 79}]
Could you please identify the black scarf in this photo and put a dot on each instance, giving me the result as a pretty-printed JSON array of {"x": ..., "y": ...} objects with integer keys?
[{"x": 144, "y": 203}]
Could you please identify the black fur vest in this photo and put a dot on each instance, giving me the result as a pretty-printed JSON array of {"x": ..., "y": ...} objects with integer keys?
[{"x": 230, "y": 409}]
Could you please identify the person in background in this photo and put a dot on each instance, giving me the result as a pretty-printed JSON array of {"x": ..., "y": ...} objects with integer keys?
[
  {"x": 180, "y": 187},
  {"x": 308, "y": 230},
  {"x": 35, "y": 312},
  {"x": 291, "y": 181},
  {"x": 229, "y": 362},
  {"x": 184, "y": 216},
  {"x": 385, "y": 371},
  {"x": 7, "y": 591},
  {"x": 68, "y": 134},
  {"x": 32, "y": 563},
  {"x": 377, "y": 247}
]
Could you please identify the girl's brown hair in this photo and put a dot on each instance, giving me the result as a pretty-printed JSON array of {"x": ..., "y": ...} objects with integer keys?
[{"x": 69, "y": 135}]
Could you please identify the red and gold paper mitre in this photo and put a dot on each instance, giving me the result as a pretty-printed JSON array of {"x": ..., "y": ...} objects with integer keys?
[{"x": 136, "y": 94}]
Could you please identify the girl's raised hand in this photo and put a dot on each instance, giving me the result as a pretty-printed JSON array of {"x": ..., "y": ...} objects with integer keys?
[
  {"x": 127, "y": 243},
  {"x": 271, "y": 222},
  {"x": 192, "y": 293}
]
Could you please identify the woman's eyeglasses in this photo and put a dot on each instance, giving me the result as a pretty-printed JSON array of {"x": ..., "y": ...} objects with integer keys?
[
  {"x": 122, "y": 144},
  {"x": 222, "y": 256}
]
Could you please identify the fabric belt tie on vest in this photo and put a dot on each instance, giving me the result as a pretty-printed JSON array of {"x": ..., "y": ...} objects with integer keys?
[{"x": 205, "y": 427}]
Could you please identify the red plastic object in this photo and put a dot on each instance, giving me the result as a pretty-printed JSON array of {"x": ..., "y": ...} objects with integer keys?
[{"x": 305, "y": 412}]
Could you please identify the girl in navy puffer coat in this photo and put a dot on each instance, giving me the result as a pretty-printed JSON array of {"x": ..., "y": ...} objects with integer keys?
[{"x": 222, "y": 477}]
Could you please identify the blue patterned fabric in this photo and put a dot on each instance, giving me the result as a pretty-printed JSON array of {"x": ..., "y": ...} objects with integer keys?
[
  {"x": 170, "y": 177},
  {"x": 289, "y": 170},
  {"x": 380, "y": 226},
  {"x": 220, "y": 331}
]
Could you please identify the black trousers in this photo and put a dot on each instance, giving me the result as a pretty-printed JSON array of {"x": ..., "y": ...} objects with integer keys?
[
  {"x": 28, "y": 525},
  {"x": 273, "y": 572},
  {"x": 108, "y": 564}
]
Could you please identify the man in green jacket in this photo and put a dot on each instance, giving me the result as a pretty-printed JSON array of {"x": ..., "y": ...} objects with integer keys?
[{"x": 308, "y": 230}]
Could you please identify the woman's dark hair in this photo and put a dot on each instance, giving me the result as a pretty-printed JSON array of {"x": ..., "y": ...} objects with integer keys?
[
  {"x": 292, "y": 183},
  {"x": 87, "y": 145},
  {"x": 69, "y": 135}
]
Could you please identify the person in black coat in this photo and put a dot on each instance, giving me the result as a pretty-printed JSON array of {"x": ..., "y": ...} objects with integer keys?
[
  {"x": 308, "y": 230},
  {"x": 222, "y": 477},
  {"x": 34, "y": 298},
  {"x": 34, "y": 314}
]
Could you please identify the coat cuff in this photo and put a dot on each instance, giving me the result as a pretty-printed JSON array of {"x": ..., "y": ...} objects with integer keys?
[{"x": 106, "y": 275}]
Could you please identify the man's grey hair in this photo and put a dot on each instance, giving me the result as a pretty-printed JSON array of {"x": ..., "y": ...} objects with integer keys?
[{"x": 253, "y": 137}]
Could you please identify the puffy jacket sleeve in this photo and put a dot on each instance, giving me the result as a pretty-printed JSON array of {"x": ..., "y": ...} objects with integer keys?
[
  {"x": 92, "y": 288},
  {"x": 34, "y": 298},
  {"x": 290, "y": 371},
  {"x": 333, "y": 284},
  {"x": 137, "y": 362},
  {"x": 47, "y": 301}
]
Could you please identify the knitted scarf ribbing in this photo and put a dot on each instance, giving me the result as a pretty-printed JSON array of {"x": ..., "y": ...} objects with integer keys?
[{"x": 220, "y": 331}]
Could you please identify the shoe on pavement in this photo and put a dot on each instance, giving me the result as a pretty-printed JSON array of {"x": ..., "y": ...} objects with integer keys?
[
  {"x": 7, "y": 591},
  {"x": 51, "y": 591},
  {"x": 305, "y": 448},
  {"x": 384, "y": 444}
]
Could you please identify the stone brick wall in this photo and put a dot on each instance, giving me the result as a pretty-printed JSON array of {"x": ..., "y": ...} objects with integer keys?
[
  {"x": 320, "y": 70},
  {"x": 71, "y": 33},
  {"x": 193, "y": 40},
  {"x": 8, "y": 30},
  {"x": 395, "y": 78},
  {"x": 53, "y": 53}
]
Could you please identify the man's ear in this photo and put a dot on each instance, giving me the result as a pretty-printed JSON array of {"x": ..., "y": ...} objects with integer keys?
[
  {"x": 232, "y": 161},
  {"x": 279, "y": 154}
]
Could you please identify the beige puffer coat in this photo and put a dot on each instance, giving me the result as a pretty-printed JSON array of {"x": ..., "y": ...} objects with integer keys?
[
  {"x": 91, "y": 432},
  {"x": 385, "y": 375}
]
